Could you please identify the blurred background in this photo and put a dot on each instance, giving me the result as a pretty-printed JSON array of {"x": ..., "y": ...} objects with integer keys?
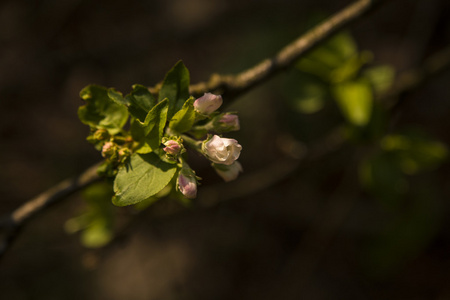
[{"x": 362, "y": 221}]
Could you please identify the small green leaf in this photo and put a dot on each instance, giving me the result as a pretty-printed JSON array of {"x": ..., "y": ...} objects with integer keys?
[
  {"x": 142, "y": 177},
  {"x": 100, "y": 111},
  {"x": 153, "y": 127},
  {"x": 355, "y": 100},
  {"x": 136, "y": 129},
  {"x": 175, "y": 87},
  {"x": 331, "y": 55},
  {"x": 306, "y": 93},
  {"x": 416, "y": 153},
  {"x": 155, "y": 116},
  {"x": 183, "y": 120},
  {"x": 381, "y": 77},
  {"x": 385, "y": 173},
  {"x": 310, "y": 99},
  {"x": 349, "y": 69},
  {"x": 98, "y": 234},
  {"x": 141, "y": 102},
  {"x": 96, "y": 224},
  {"x": 117, "y": 97}
]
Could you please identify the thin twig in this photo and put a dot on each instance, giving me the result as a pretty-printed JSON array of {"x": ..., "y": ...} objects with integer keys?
[
  {"x": 229, "y": 84},
  {"x": 14, "y": 222},
  {"x": 233, "y": 85},
  {"x": 305, "y": 259}
]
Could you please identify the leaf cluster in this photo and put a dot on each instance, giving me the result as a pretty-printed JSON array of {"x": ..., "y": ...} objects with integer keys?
[{"x": 129, "y": 129}]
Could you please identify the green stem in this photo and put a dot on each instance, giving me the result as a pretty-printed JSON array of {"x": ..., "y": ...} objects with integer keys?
[{"x": 194, "y": 144}]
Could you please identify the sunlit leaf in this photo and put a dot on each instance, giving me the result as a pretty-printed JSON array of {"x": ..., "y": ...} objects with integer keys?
[
  {"x": 381, "y": 77},
  {"x": 350, "y": 69},
  {"x": 416, "y": 153},
  {"x": 142, "y": 177},
  {"x": 175, "y": 87},
  {"x": 117, "y": 97},
  {"x": 183, "y": 120},
  {"x": 96, "y": 224},
  {"x": 153, "y": 127},
  {"x": 100, "y": 111},
  {"x": 355, "y": 100},
  {"x": 141, "y": 102},
  {"x": 331, "y": 55}
]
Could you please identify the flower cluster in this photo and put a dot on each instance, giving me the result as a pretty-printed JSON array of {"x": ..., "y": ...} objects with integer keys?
[
  {"x": 222, "y": 152},
  {"x": 140, "y": 136}
]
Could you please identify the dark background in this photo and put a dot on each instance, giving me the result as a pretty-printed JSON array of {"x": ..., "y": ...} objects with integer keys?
[{"x": 313, "y": 235}]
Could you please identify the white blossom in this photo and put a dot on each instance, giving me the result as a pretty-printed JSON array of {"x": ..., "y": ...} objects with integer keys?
[{"x": 221, "y": 150}]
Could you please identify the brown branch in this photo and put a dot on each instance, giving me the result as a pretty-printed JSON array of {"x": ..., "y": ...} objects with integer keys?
[
  {"x": 233, "y": 85},
  {"x": 14, "y": 222}
]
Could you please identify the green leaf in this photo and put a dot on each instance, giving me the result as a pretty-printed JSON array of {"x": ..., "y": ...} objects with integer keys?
[
  {"x": 153, "y": 127},
  {"x": 100, "y": 111},
  {"x": 381, "y": 77},
  {"x": 97, "y": 223},
  {"x": 310, "y": 98},
  {"x": 416, "y": 153},
  {"x": 142, "y": 177},
  {"x": 331, "y": 55},
  {"x": 355, "y": 100},
  {"x": 385, "y": 173},
  {"x": 98, "y": 234},
  {"x": 136, "y": 129},
  {"x": 351, "y": 67},
  {"x": 183, "y": 120},
  {"x": 117, "y": 97},
  {"x": 175, "y": 87},
  {"x": 141, "y": 102},
  {"x": 306, "y": 93}
]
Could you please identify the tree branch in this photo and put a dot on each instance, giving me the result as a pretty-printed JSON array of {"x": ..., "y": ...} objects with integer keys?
[
  {"x": 233, "y": 85},
  {"x": 14, "y": 222}
]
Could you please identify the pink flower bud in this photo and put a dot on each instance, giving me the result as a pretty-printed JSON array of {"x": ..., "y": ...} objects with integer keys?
[
  {"x": 187, "y": 186},
  {"x": 221, "y": 150},
  {"x": 228, "y": 173},
  {"x": 227, "y": 122},
  {"x": 208, "y": 103},
  {"x": 172, "y": 147},
  {"x": 108, "y": 149}
]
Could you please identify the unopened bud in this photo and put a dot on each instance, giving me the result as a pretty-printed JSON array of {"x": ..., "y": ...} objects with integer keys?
[
  {"x": 208, "y": 103},
  {"x": 230, "y": 172},
  {"x": 108, "y": 149},
  {"x": 187, "y": 184},
  {"x": 124, "y": 153},
  {"x": 226, "y": 122},
  {"x": 172, "y": 147}
]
